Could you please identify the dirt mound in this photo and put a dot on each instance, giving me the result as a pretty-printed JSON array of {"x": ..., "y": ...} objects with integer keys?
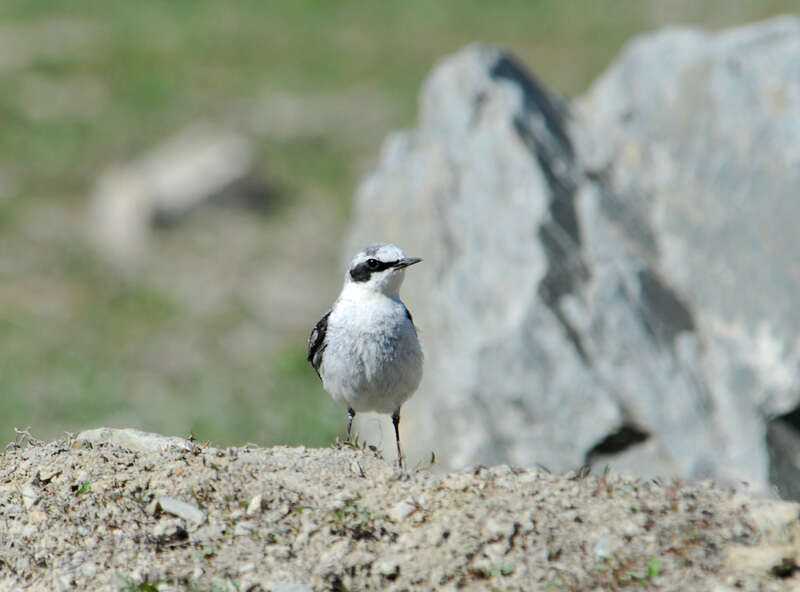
[{"x": 95, "y": 515}]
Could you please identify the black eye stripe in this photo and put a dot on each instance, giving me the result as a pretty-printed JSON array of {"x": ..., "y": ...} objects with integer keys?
[
  {"x": 384, "y": 265},
  {"x": 362, "y": 271}
]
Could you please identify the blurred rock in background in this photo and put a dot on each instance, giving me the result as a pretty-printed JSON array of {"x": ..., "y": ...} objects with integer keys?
[
  {"x": 610, "y": 282},
  {"x": 202, "y": 164}
]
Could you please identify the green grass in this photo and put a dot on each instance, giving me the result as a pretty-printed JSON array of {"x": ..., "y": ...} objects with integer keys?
[{"x": 99, "y": 82}]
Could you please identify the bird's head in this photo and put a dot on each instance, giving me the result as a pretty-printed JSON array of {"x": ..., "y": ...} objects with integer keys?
[{"x": 379, "y": 268}]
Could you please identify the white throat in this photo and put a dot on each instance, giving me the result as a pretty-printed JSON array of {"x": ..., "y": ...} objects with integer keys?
[{"x": 387, "y": 284}]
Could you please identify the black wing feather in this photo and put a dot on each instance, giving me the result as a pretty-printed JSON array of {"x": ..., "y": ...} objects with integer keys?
[
  {"x": 408, "y": 314},
  {"x": 316, "y": 342}
]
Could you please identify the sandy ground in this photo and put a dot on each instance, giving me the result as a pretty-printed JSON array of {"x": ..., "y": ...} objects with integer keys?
[{"x": 77, "y": 514}]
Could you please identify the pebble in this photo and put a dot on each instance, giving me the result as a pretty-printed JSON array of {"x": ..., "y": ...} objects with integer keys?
[
  {"x": 498, "y": 529},
  {"x": 133, "y": 439},
  {"x": 342, "y": 499},
  {"x": 46, "y": 474},
  {"x": 167, "y": 529},
  {"x": 401, "y": 510},
  {"x": 602, "y": 548},
  {"x": 356, "y": 469},
  {"x": 255, "y": 505},
  {"x": 182, "y": 509},
  {"x": 387, "y": 567},
  {"x": 89, "y": 569},
  {"x": 629, "y": 528},
  {"x": 244, "y": 528},
  {"x": 30, "y": 530},
  {"x": 38, "y": 516},
  {"x": 29, "y": 496}
]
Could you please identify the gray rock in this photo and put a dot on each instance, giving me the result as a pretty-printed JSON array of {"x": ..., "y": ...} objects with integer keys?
[
  {"x": 134, "y": 439},
  {"x": 700, "y": 133},
  {"x": 783, "y": 443},
  {"x": 588, "y": 280}
]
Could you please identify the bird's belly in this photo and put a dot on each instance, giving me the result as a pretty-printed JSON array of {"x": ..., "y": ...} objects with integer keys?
[{"x": 376, "y": 372}]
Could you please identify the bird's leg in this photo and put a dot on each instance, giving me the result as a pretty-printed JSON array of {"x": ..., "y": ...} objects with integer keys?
[
  {"x": 396, "y": 422},
  {"x": 350, "y": 415}
]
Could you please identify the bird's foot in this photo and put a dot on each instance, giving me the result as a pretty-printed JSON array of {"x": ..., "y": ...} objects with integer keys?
[{"x": 400, "y": 471}]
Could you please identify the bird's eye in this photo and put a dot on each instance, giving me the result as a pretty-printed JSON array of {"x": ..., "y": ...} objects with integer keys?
[{"x": 372, "y": 263}]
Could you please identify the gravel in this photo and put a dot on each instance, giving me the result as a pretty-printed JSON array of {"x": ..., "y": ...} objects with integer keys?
[{"x": 98, "y": 516}]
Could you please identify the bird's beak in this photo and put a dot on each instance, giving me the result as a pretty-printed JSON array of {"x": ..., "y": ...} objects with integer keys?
[{"x": 401, "y": 263}]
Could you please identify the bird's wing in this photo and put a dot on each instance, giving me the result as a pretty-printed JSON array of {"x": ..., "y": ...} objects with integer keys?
[
  {"x": 408, "y": 314},
  {"x": 316, "y": 342}
]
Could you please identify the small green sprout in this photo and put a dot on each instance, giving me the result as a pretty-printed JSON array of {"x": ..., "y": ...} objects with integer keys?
[{"x": 653, "y": 568}]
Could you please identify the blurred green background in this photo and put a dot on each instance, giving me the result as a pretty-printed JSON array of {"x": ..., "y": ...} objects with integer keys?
[{"x": 206, "y": 331}]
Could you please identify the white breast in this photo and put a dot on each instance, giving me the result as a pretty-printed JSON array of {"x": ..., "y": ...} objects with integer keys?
[{"x": 373, "y": 359}]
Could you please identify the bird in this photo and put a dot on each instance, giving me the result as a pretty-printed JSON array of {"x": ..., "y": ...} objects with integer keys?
[{"x": 365, "y": 349}]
